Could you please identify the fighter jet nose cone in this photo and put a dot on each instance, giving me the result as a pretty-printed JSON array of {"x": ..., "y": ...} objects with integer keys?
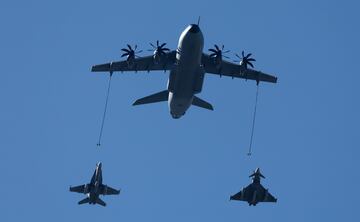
[{"x": 194, "y": 28}]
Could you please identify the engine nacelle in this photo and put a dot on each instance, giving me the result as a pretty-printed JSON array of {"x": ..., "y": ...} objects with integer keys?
[
  {"x": 157, "y": 57},
  {"x": 130, "y": 60},
  {"x": 218, "y": 60}
]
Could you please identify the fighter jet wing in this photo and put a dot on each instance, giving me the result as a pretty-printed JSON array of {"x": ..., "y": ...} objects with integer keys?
[
  {"x": 234, "y": 70},
  {"x": 146, "y": 63},
  {"x": 238, "y": 196},
  {"x": 269, "y": 198},
  {"x": 78, "y": 189},
  {"x": 266, "y": 196},
  {"x": 242, "y": 195},
  {"x": 106, "y": 190}
]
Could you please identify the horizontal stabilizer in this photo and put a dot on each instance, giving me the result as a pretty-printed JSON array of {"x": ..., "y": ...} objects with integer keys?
[
  {"x": 106, "y": 190},
  {"x": 201, "y": 103},
  {"x": 101, "y": 202},
  {"x": 154, "y": 98},
  {"x": 86, "y": 200}
]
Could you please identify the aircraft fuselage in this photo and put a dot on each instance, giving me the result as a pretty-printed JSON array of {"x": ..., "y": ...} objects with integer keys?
[
  {"x": 94, "y": 188},
  {"x": 186, "y": 79}
]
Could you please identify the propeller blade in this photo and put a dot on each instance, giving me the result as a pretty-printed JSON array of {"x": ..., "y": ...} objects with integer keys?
[
  {"x": 129, "y": 46},
  {"x": 125, "y": 54},
  {"x": 152, "y": 45},
  {"x": 135, "y": 47},
  {"x": 242, "y": 53},
  {"x": 125, "y": 50},
  {"x": 226, "y": 56},
  {"x": 251, "y": 59},
  {"x": 226, "y": 51},
  {"x": 213, "y": 50},
  {"x": 250, "y": 64},
  {"x": 162, "y": 45},
  {"x": 237, "y": 56},
  {"x": 139, "y": 51},
  {"x": 248, "y": 55},
  {"x": 157, "y": 43},
  {"x": 217, "y": 47},
  {"x": 222, "y": 48},
  {"x": 212, "y": 54},
  {"x": 166, "y": 49}
]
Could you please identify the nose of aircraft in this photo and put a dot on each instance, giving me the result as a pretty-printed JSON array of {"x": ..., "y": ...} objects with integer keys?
[
  {"x": 194, "y": 28},
  {"x": 175, "y": 116},
  {"x": 99, "y": 164}
]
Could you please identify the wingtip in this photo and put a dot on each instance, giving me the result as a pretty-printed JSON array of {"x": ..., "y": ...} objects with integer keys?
[{"x": 136, "y": 103}]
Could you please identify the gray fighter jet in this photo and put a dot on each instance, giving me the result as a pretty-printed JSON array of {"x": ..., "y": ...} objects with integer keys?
[
  {"x": 95, "y": 188},
  {"x": 187, "y": 65},
  {"x": 255, "y": 192}
]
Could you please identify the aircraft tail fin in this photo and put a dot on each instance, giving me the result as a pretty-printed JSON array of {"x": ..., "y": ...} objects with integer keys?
[
  {"x": 201, "y": 103},
  {"x": 154, "y": 98},
  {"x": 86, "y": 200},
  {"x": 100, "y": 201}
]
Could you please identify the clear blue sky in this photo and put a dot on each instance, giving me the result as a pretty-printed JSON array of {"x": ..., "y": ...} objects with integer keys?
[{"x": 306, "y": 138}]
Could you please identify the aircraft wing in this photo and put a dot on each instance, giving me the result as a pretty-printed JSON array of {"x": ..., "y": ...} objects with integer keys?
[
  {"x": 242, "y": 195},
  {"x": 234, "y": 70},
  {"x": 146, "y": 63},
  {"x": 269, "y": 198},
  {"x": 106, "y": 190},
  {"x": 78, "y": 189},
  {"x": 238, "y": 196}
]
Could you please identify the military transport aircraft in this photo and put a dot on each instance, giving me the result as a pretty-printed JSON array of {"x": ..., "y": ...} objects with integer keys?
[
  {"x": 255, "y": 192},
  {"x": 95, "y": 188},
  {"x": 188, "y": 65}
]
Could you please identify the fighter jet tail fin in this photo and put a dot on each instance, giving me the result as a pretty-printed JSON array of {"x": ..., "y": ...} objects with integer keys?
[
  {"x": 201, "y": 103},
  {"x": 101, "y": 202},
  {"x": 154, "y": 98},
  {"x": 86, "y": 200}
]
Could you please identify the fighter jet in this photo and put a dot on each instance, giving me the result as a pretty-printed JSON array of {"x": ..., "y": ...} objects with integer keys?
[
  {"x": 255, "y": 192},
  {"x": 187, "y": 65},
  {"x": 95, "y": 188}
]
